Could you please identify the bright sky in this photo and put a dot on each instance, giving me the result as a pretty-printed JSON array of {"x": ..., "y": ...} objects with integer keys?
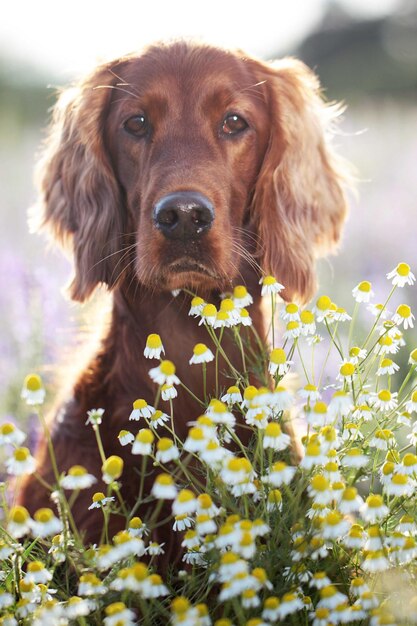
[{"x": 67, "y": 38}]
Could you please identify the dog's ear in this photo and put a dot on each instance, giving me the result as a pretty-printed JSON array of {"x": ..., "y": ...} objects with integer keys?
[
  {"x": 79, "y": 200},
  {"x": 299, "y": 203}
]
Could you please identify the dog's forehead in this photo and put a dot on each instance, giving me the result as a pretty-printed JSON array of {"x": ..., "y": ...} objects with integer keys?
[{"x": 187, "y": 68}]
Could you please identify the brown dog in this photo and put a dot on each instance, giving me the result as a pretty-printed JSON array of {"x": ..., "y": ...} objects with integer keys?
[{"x": 191, "y": 167}]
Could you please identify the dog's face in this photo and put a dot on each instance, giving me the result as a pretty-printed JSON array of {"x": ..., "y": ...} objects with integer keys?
[
  {"x": 174, "y": 167},
  {"x": 187, "y": 133}
]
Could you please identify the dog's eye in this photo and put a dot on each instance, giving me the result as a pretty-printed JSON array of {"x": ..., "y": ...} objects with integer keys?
[
  {"x": 233, "y": 124},
  {"x": 136, "y": 125}
]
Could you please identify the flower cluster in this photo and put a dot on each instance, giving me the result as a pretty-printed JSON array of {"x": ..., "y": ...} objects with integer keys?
[{"x": 322, "y": 531}]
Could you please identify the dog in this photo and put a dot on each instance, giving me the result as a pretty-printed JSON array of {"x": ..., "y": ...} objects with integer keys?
[{"x": 185, "y": 167}]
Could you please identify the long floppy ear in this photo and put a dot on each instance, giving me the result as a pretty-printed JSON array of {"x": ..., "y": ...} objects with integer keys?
[
  {"x": 299, "y": 204},
  {"x": 79, "y": 201}
]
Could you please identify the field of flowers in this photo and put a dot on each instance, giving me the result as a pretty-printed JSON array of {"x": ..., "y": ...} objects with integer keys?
[{"x": 327, "y": 538}]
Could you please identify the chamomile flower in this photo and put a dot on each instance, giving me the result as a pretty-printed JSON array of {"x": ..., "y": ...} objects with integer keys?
[
  {"x": 401, "y": 275},
  {"x": 245, "y": 319},
  {"x": 241, "y": 297},
  {"x": 118, "y": 615},
  {"x": 362, "y": 412},
  {"x": 319, "y": 580},
  {"x": 208, "y": 315},
  {"x": 346, "y": 370},
  {"x": 137, "y": 528},
  {"x": 153, "y": 587},
  {"x": 407, "y": 525},
  {"x": 382, "y": 439},
  {"x": 387, "y": 366},
  {"x": 290, "y": 312},
  {"x": 20, "y": 462},
  {"x": 375, "y": 561},
  {"x": 99, "y": 500},
  {"x": 196, "y": 440},
  {"x": 320, "y": 489},
  {"x": 413, "y": 357},
  {"x": 341, "y": 315},
  {"x": 408, "y": 465},
  {"x": 310, "y": 393},
  {"x": 292, "y": 330},
  {"x": 403, "y": 316},
  {"x": 154, "y": 347},
  {"x": 278, "y": 362},
  {"x": 232, "y": 395},
  {"x": 182, "y": 522},
  {"x": 166, "y": 450},
  {"x": 112, "y": 468},
  {"x": 323, "y": 308},
  {"x": 168, "y": 392},
  {"x": 206, "y": 506},
  {"x": 45, "y": 523},
  {"x": 354, "y": 457},
  {"x": 158, "y": 418},
  {"x": 164, "y": 487},
  {"x": 385, "y": 400},
  {"x": 141, "y": 409},
  {"x": 94, "y": 417},
  {"x": 374, "y": 509},
  {"x": 363, "y": 291},
  {"x": 37, "y": 573},
  {"x": 10, "y": 434},
  {"x": 290, "y": 603},
  {"x": 228, "y": 306},
  {"x": 335, "y": 526},
  {"x": 314, "y": 455},
  {"x": 164, "y": 374},
  {"x": 201, "y": 354},
  {"x": 77, "y": 478},
  {"x": 274, "y": 437},
  {"x": 355, "y": 537},
  {"x": 317, "y": 415},
  {"x": 185, "y": 503},
  {"x": 330, "y": 597},
  {"x": 340, "y": 404},
  {"x": 33, "y": 391},
  {"x": 279, "y": 474},
  {"x": 125, "y": 437},
  {"x": 411, "y": 405},
  {"x": 143, "y": 442},
  {"x": 270, "y": 286},
  {"x": 274, "y": 500},
  {"x": 270, "y": 609},
  {"x": 219, "y": 413},
  {"x": 78, "y": 607},
  {"x": 18, "y": 522},
  {"x": 197, "y": 305},
  {"x": 308, "y": 324},
  {"x": 90, "y": 585},
  {"x": 236, "y": 470},
  {"x": 399, "y": 485}
]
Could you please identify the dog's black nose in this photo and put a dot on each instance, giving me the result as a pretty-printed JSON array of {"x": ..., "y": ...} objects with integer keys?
[{"x": 183, "y": 215}]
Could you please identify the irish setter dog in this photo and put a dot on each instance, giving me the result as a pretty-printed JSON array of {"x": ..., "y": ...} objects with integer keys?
[{"x": 184, "y": 167}]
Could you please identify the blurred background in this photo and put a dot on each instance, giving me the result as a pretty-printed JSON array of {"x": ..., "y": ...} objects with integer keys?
[{"x": 365, "y": 52}]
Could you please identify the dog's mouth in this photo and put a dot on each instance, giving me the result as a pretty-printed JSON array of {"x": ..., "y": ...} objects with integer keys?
[{"x": 190, "y": 265}]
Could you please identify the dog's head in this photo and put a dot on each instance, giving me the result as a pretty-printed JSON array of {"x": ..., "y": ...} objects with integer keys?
[{"x": 176, "y": 166}]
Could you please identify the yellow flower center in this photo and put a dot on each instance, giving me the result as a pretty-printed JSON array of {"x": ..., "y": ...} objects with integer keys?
[
  {"x": 350, "y": 493},
  {"x": 205, "y": 501},
  {"x": 399, "y": 479},
  {"x": 269, "y": 280},
  {"x": 384, "y": 395},
  {"x": 320, "y": 408},
  {"x": 180, "y": 605},
  {"x": 293, "y": 325},
  {"x": 320, "y": 483},
  {"x": 199, "y": 349},
  {"x": 185, "y": 495},
  {"x": 273, "y": 430},
  {"x": 21, "y": 454},
  {"x": 313, "y": 449},
  {"x": 209, "y": 311},
  {"x": 404, "y": 311},
  {"x": 19, "y": 515},
  {"x": 140, "y": 571},
  {"x": 374, "y": 501},
  {"x": 233, "y": 389},
  {"x": 275, "y": 496},
  {"x": 164, "y": 444},
  {"x": 217, "y": 406},
  {"x": 145, "y": 435},
  {"x": 196, "y": 433},
  {"x": 291, "y": 308},
  {"x": 33, "y": 382},
  {"x": 135, "y": 523},
  {"x": 43, "y": 515},
  {"x": 165, "y": 480},
  {"x": 278, "y": 356},
  {"x": 7, "y": 428},
  {"x": 154, "y": 341},
  {"x": 271, "y": 603},
  {"x": 347, "y": 369},
  {"x": 116, "y": 607},
  {"x": 323, "y": 303},
  {"x": 413, "y": 356},
  {"x": 140, "y": 404},
  {"x": 409, "y": 459},
  {"x": 113, "y": 466},
  {"x": 240, "y": 292},
  {"x": 197, "y": 301},
  {"x": 365, "y": 286},
  {"x": 307, "y": 317},
  {"x": 227, "y": 305},
  {"x": 35, "y": 566},
  {"x": 403, "y": 269},
  {"x": 98, "y": 496},
  {"x": 167, "y": 368},
  {"x": 77, "y": 470}
]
